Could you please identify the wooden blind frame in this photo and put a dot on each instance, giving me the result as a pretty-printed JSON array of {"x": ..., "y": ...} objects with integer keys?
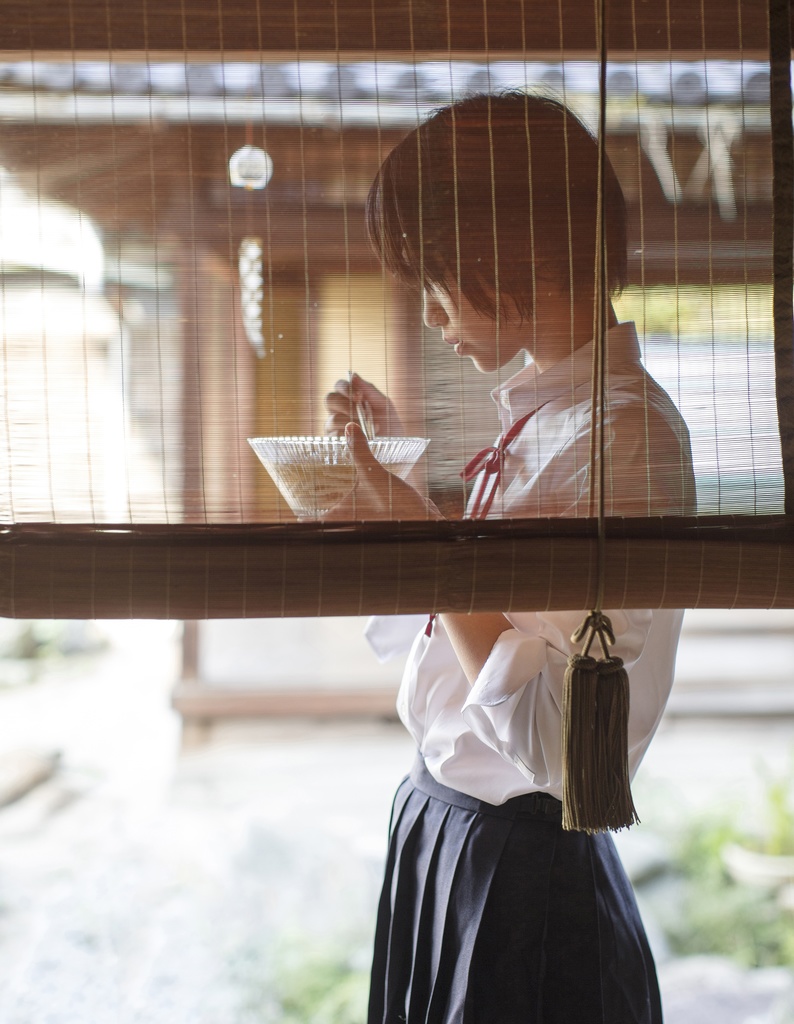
[{"x": 196, "y": 571}]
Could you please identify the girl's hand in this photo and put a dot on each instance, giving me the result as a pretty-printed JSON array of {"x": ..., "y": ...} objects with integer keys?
[
  {"x": 341, "y": 405},
  {"x": 378, "y": 494}
]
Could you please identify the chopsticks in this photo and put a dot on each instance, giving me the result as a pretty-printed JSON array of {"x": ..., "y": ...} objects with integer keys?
[
  {"x": 364, "y": 414},
  {"x": 366, "y": 419}
]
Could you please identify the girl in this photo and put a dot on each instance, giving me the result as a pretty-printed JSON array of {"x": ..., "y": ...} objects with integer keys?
[{"x": 490, "y": 911}]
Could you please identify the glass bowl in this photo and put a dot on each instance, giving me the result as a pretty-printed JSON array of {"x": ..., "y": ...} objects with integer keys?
[{"x": 315, "y": 473}]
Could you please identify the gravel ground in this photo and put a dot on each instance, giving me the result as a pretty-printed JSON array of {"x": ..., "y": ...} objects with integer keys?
[{"x": 147, "y": 884}]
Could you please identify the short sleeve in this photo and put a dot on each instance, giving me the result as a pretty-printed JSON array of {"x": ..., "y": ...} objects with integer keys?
[
  {"x": 515, "y": 703},
  {"x": 648, "y": 462}
]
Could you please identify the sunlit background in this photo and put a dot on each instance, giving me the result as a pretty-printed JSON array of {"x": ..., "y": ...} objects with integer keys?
[
  {"x": 194, "y": 816},
  {"x": 166, "y": 871}
]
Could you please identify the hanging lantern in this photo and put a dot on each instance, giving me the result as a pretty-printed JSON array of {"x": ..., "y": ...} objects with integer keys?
[
  {"x": 250, "y": 168},
  {"x": 251, "y": 292}
]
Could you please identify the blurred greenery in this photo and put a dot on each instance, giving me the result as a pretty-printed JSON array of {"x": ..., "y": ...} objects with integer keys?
[
  {"x": 778, "y": 834},
  {"x": 716, "y": 915},
  {"x": 35, "y": 639},
  {"x": 31, "y": 648},
  {"x": 712, "y": 913},
  {"x": 731, "y": 312},
  {"x": 325, "y": 988},
  {"x": 305, "y": 981}
]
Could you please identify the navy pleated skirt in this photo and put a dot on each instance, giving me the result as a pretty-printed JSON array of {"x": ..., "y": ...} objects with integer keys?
[{"x": 496, "y": 915}]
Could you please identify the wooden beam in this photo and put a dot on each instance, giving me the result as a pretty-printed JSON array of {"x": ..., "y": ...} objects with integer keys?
[
  {"x": 328, "y": 28},
  {"x": 198, "y": 701},
  {"x": 299, "y": 569}
]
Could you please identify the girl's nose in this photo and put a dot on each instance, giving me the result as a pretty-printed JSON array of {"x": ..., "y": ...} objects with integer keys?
[{"x": 433, "y": 312}]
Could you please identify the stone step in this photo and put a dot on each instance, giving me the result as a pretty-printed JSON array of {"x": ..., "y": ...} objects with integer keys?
[{"x": 23, "y": 770}]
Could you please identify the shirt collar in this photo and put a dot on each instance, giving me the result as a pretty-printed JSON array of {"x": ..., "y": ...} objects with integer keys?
[{"x": 529, "y": 389}]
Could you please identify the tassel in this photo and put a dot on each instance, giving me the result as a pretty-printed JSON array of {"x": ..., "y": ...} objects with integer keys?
[{"x": 595, "y": 717}]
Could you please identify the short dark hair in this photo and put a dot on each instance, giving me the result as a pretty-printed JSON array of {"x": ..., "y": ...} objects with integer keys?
[{"x": 488, "y": 188}]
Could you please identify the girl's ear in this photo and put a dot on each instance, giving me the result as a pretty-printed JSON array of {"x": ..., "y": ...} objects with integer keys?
[{"x": 510, "y": 311}]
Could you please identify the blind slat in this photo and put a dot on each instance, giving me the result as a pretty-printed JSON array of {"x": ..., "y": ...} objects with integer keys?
[{"x": 188, "y": 572}]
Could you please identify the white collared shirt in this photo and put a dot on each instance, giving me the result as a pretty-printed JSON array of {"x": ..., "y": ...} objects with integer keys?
[
  {"x": 501, "y": 736},
  {"x": 648, "y": 468}
]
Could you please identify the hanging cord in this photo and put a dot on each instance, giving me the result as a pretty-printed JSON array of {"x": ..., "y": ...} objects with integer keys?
[
  {"x": 598, "y": 393},
  {"x": 595, "y": 704}
]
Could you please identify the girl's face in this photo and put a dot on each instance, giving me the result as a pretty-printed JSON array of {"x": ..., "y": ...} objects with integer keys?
[{"x": 489, "y": 345}]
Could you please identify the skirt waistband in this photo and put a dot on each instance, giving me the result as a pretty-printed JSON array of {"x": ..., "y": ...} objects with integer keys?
[{"x": 542, "y": 806}]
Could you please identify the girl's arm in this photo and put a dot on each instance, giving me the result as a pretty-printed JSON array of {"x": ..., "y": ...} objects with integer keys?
[
  {"x": 380, "y": 495},
  {"x": 473, "y": 636}
]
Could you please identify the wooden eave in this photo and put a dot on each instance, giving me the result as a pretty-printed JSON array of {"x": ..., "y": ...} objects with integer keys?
[{"x": 351, "y": 29}]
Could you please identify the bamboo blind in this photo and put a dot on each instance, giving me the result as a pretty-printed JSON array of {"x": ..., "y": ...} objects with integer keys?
[{"x": 131, "y": 376}]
